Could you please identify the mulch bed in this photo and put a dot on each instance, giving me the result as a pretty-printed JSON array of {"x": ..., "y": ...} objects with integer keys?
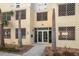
[
  {"x": 61, "y": 52},
  {"x": 15, "y": 49}
]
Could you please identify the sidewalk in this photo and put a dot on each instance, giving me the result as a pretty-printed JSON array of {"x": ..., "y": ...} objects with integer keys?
[{"x": 35, "y": 51}]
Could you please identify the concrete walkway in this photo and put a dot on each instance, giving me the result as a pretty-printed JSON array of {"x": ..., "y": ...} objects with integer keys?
[{"x": 35, "y": 51}]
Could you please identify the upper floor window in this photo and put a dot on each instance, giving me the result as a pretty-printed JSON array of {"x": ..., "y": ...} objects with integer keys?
[
  {"x": 42, "y": 16},
  {"x": 66, "y": 33},
  {"x": 17, "y": 5},
  {"x": 45, "y": 4},
  {"x": 7, "y": 33},
  {"x": 20, "y": 14},
  {"x": 66, "y": 9},
  {"x": 6, "y": 16}
]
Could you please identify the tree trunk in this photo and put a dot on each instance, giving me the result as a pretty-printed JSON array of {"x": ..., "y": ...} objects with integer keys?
[
  {"x": 2, "y": 44},
  {"x": 19, "y": 31},
  {"x": 53, "y": 32}
]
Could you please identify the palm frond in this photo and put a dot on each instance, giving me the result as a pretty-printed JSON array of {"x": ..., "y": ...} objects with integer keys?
[{"x": 10, "y": 13}]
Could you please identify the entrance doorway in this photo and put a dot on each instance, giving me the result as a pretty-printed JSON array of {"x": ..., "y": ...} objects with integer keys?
[{"x": 43, "y": 35}]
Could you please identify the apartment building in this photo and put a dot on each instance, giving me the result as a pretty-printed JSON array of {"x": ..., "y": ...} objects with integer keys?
[
  {"x": 36, "y": 23},
  {"x": 67, "y": 26},
  {"x": 11, "y": 31}
]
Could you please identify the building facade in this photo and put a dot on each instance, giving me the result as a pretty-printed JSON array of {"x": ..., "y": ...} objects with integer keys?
[{"x": 36, "y": 23}]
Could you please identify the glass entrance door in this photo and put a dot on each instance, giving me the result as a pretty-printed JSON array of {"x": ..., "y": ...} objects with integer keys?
[
  {"x": 45, "y": 36},
  {"x": 42, "y": 36}
]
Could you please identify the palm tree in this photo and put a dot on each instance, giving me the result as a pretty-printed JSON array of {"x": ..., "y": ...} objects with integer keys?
[
  {"x": 1, "y": 31},
  {"x": 3, "y": 22}
]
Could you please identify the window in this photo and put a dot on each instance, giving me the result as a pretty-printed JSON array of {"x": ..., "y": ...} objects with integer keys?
[
  {"x": 23, "y": 33},
  {"x": 35, "y": 36},
  {"x": 22, "y": 14},
  {"x": 66, "y": 33},
  {"x": 67, "y": 9},
  {"x": 50, "y": 36},
  {"x": 45, "y": 4},
  {"x": 7, "y": 33},
  {"x": 17, "y": 6},
  {"x": 42, "y": 16},
  {"x": 6, "y": 16}
]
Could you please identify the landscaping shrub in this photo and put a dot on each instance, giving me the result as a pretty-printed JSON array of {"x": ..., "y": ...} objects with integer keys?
[
  {"x": 67, "y": 53},
  {"x": 56, "y": 54},
  {"x": 9, "y": 49},
  {"x": 60, "y": 52}
]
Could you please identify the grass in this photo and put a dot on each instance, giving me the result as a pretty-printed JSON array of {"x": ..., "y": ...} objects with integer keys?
[
  {"x": 9, "y": 49},
  {"x": 14, "y": 49}
]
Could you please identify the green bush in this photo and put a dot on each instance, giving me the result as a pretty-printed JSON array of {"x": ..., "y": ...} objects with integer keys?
[{"x": 9, "y": 49}]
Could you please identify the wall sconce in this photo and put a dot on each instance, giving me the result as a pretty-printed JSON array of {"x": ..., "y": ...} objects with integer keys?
[
  {"x": 31, "y": 35},
  {"x": 42, "y": 24}
]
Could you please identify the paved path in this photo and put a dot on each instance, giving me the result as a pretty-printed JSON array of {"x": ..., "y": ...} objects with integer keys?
[{"x": 35, "y": 51}]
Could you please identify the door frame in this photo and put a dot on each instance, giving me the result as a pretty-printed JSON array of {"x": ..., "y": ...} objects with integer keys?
[{"x": 43, "y": 36}]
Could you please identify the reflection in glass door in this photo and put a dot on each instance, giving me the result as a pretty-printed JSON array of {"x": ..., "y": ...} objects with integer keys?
[
  {"x": 40, "y": 36},
  {"x": 45, "y": 36}
]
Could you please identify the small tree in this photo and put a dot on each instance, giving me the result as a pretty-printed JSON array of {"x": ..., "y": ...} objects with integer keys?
[
  {"x": 1, "y": 31},
  {"x": 4, "y": 22}
]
